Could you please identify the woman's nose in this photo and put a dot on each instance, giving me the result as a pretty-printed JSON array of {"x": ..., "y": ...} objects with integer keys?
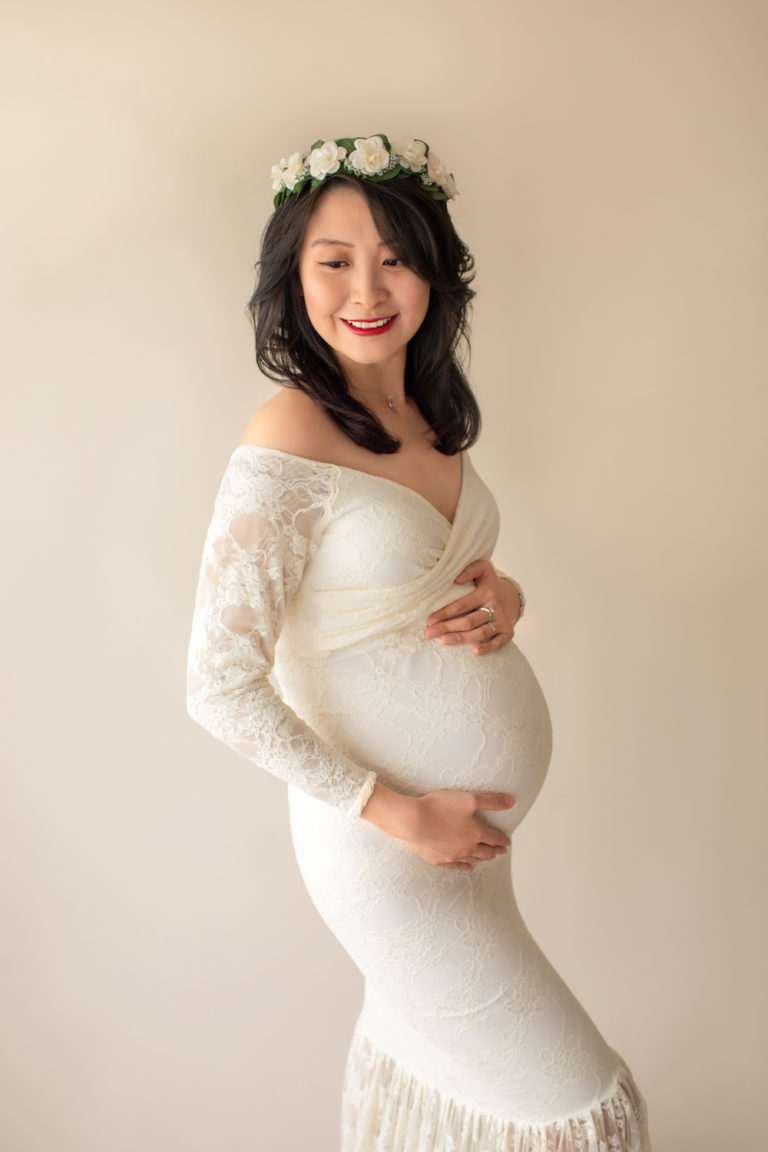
[{"x": 368, "y": 288}]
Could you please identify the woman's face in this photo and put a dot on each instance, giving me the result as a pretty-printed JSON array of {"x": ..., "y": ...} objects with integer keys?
[{"x": 360, "y": 297}]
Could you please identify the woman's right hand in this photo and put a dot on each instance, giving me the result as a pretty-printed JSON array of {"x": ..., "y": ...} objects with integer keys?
[{"x": 443, "y": 827}]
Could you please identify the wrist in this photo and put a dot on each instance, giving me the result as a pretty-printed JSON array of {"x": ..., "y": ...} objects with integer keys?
[
  {"x": 517, "y": 588},
  {"x": 391, "y": 811}
]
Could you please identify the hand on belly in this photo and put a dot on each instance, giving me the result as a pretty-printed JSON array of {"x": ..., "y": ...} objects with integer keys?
[{"x": 442, "y": 827}]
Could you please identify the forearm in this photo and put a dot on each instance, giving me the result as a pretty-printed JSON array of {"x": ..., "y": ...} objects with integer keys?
[{"x": 255, "y": 722}]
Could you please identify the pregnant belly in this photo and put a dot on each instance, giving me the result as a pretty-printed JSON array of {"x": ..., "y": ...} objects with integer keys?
[
  {"x": 427, "y": 716},
  {"x": 454, "y": 983}
]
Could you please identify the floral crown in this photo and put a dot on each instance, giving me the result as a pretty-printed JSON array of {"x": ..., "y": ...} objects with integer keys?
[{"x": 371, "y": 158}]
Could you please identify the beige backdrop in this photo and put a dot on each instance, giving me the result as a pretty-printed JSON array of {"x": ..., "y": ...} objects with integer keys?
[{"x": 167, "y": 984}]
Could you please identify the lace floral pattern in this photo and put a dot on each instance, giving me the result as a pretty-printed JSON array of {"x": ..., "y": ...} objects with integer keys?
[
  {"x": 267, "y": 518},
  {"x": 386, "y": 1109},
  {"x": 468, "y": 1041}
]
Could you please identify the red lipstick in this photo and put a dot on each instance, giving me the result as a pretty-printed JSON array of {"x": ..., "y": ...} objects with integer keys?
[{"x": 376, "y": 329}]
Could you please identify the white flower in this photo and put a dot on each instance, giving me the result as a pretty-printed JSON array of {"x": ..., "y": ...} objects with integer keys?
[
  {"x": 449, "y": 187},
  {"x": 277, "y": 177},
  {"x": 370, "y": 156},
  {"x": 294, "y": 169},
  {"x": 326, "y": 160},
  {"x": 410, "y": 152},
  {"x": 439, "y": 174}
]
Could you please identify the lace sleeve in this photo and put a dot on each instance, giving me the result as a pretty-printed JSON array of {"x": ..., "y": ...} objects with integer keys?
[{"x": 267, "y": 518}]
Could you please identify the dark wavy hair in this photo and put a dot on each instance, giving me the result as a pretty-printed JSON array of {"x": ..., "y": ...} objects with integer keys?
[{"x": 419, "y": 230}]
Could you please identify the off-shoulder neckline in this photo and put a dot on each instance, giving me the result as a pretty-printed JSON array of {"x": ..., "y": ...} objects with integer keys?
[{"x": 373, "y": 476}]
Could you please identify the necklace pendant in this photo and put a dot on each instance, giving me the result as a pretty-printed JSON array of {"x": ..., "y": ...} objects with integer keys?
[{"x": 391, "y": 404}]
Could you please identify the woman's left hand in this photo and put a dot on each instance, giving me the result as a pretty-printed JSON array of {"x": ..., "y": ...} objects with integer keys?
[{"x": 463, "y": 621}]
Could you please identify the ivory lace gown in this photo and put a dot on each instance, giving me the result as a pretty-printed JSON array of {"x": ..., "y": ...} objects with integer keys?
[{"x": 468, "y": 1040}]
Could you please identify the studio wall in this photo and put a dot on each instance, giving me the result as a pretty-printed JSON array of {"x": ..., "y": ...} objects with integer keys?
[{"x": 166, "y": 982}]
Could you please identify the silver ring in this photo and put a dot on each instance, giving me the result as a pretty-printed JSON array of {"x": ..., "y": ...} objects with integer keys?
[{"x": 489, "y": 611}]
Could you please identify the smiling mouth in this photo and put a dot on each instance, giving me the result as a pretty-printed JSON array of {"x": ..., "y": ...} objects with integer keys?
[{"x": 370, "y": 327}]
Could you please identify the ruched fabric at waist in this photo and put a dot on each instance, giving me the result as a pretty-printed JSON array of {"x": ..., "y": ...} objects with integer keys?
[
  {"x": 328, "y": 616},
  {"x": 339, "y": 619}
]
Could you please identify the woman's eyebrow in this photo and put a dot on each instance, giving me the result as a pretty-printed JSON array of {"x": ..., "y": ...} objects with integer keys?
[{"x": 342, "y": 243}]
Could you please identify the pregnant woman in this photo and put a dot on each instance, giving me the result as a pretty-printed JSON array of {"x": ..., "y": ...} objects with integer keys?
[{"x": 330, "y": 645}]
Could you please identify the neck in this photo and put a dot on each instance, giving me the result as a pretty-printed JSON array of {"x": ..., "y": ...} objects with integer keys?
[
  {"x": 376, "y": 399},
  {"x": 379, "y": 386}
]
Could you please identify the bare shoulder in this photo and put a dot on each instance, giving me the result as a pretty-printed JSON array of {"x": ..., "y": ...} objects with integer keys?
[{"x": 293, "y": 422}]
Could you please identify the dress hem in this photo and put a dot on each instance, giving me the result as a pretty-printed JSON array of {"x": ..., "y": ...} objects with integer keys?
[{"x": 386, "y": 1108}]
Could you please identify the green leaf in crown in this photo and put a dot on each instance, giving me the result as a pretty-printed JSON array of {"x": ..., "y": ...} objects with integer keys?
[{"x": 373, "y": 158}]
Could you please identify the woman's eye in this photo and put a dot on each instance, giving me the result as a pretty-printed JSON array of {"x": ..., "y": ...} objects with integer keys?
[{"x": 390, "y": 262}]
